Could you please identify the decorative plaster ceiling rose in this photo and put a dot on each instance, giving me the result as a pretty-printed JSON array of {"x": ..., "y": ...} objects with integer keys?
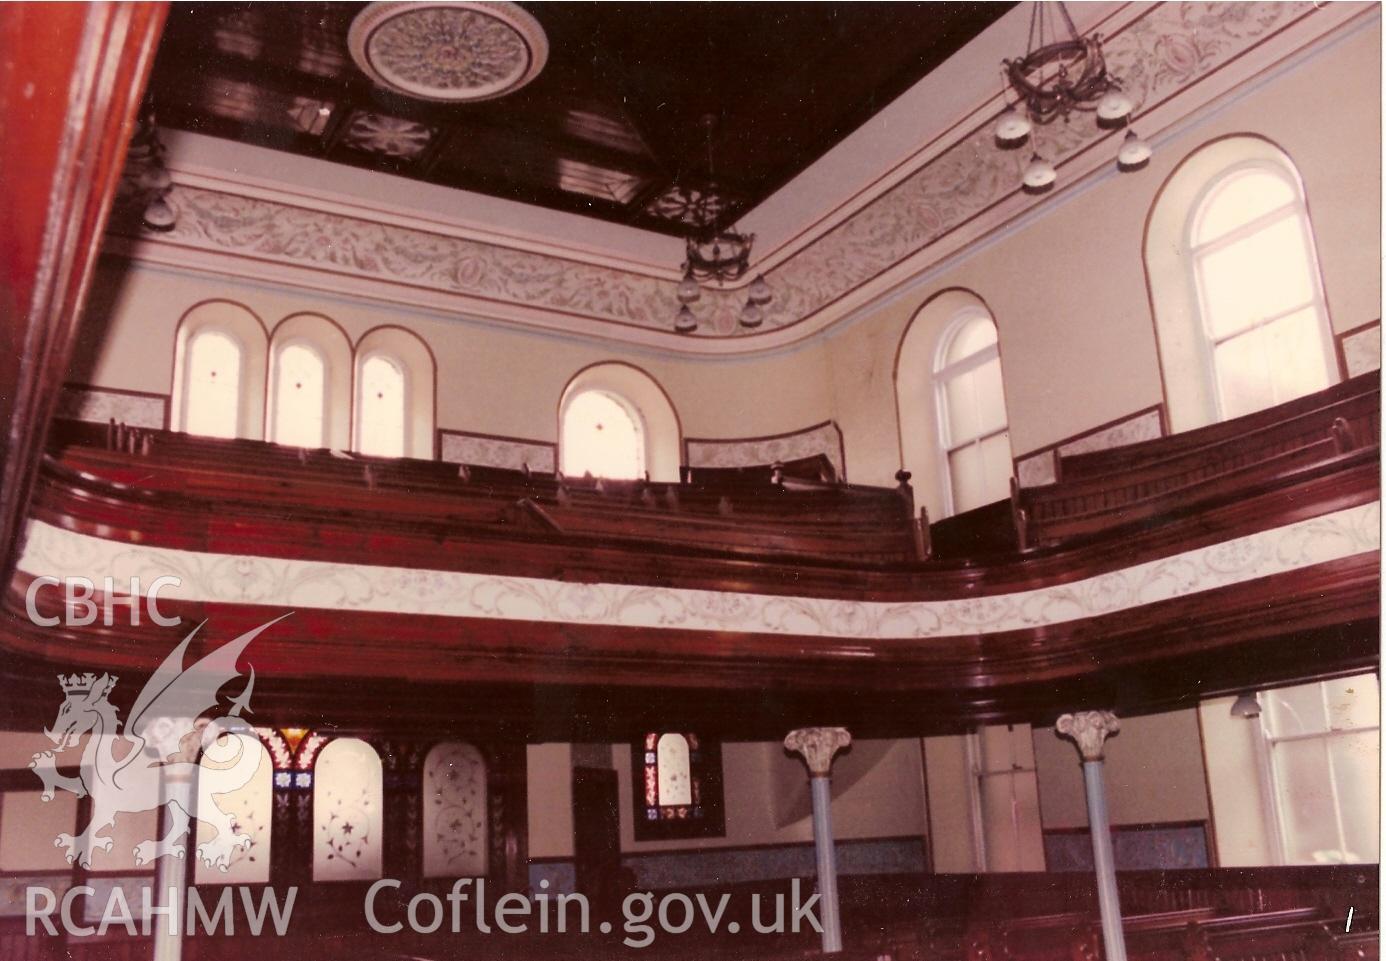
[{"x": 454, "y": 51}]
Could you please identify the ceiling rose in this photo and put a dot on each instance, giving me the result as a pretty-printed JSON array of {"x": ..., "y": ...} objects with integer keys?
[{"x": 448, "y": 50}]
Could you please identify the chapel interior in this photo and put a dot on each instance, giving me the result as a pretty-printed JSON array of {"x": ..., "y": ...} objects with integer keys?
[{"x": 690, "y": 448}]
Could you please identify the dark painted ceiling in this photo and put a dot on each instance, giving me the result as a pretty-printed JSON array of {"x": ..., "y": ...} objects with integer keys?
[{"x": 612, "y": 126}]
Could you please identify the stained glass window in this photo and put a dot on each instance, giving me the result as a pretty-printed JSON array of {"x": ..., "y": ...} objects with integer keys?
[{"x": 679, "y": 786}]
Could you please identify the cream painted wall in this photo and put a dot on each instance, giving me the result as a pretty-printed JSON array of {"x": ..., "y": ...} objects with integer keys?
[
  {"x": 885, "y": 800},
  {"x": 1077, "y": 339},
  {"x": 1243, "y": 834},
  {"x": 951, "y": 824},
  {"x": 878, "y": 792},
  {"x": 490, "y": 380},
  {"x": 1154, "y": 773}
]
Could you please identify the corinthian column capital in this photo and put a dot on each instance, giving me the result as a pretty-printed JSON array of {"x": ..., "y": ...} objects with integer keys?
[
  {"x": 818, "y": 745},
  {"x": 1089, "y": 730}
]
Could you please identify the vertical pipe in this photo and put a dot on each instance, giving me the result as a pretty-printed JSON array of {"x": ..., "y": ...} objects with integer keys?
[
  {"x": 827, "y": 862},
  {"x": 170, "y": 873},
  {"x": 1099, "y": 825}
]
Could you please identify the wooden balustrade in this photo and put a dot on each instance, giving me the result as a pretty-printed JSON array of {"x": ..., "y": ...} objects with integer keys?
[
  {"x": 1155, "y": 480},
  {"x": 1297, "y": 914}
]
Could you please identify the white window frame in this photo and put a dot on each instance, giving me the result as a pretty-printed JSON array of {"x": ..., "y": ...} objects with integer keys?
[
  {"x": 1268, "y": 772},
  {"x": 943, "y": 374},
  {"x": 1198, "y": 253},
  {"x": 241, "y": 369},
  {"x": 272, "y": 414},
  {"x": 407, "y": 440}
]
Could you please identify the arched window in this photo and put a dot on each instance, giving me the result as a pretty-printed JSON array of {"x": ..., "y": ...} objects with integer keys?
[
  {"x": 1258, "y": 290},
  {"x": 614, "y": 420},
  {"x": 972, "y": 413},
  {"x": 347, "y": 822},
  {"x": 380, "y": 407},
  {"x": 249, "y": 810},
  {"x": 300, "y": 396},
  {"x": 310, "y": 383},
  {"x": 678, "y": 786},
  {"x": 454, "y": 812},
  {"x": 219, "y": 372},
  {"x": 394, "y": 402},
  {"x": 1239, "y": 310},
  {"x": 213, "y": 386},
  {"x": 602, "y": 436}
]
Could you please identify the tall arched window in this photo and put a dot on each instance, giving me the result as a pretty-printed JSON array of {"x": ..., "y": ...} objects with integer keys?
[
  {"x": 972, "y": 413},
  {"x": 300, "y": 396},
  {"x": 602, "y": 436},
  {"x": 614, "y": 420},
  {"x": 395, "y": 375},
  {"x": 310, "y": 382},
  {"x": 212, "y": 388},
  {"x": 249, "y": 812},
  {"x": 1258, "y": 287},
  {"x": 1240, "y": 316},
  {"x": 380, "y": 406},
  {"x": 219, "y": 371}
]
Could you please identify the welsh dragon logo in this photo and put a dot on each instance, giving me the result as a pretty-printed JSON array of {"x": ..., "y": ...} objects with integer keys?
[{"x": 163, "y": 741}]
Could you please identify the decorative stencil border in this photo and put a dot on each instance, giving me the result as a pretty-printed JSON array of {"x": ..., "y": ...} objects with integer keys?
[
  {"x": 1162, "y": 52},
  {"x": 824, "y": 438},
  {"x": 281, "y": 583},
  {"x": 1359, "y": 349},
  {"x": 1042, "y": 466},
  {"x": 491, "y": 450},
  {"x": 101, "y": 405}
]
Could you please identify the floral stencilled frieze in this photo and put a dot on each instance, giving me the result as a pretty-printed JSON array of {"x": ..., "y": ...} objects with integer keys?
[
  {"x": 1164, "y": 50},
  {"x": 510, "y": 453},
  {"x": 823, "y": 439},
  {"x": 302, "y": 583}
]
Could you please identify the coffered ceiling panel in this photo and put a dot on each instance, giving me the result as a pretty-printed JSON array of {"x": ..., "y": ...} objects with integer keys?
[{"x": 611, "y": 125}]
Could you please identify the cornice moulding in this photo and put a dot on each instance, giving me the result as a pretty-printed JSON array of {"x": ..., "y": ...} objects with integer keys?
[{"x": 1175, "y": 59}]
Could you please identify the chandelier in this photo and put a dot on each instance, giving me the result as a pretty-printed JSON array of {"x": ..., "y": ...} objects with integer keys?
[
  {"x": 145, "y": 182},
  {"x": 1062, "y": 72},
  {"x": 714, "y": 254}
]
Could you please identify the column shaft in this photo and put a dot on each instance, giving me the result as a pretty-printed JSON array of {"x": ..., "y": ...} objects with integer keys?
[
  {"x": 1099, "y": 826},
  {"x": 827, "y": 862}
]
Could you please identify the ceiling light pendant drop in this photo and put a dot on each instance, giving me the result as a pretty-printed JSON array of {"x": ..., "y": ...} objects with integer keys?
[
  {"x": 1039, "y": 176},
  {"x": 1134, "y": 153},
  {"x": 684, "y": 321},
  {"x": 1012, "y": 129},
  {"x": 145, "y": 181}
]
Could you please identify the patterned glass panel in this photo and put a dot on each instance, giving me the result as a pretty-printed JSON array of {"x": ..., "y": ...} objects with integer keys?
[
  {"x": 454, "y": 815},
  {"x": 381, "y": 407},
  {"x": 213, "y": 385},
  {"x": 675, "y": 772},
  {"x": 347, "y": 801},
  {"x": 250, "y": 809}
]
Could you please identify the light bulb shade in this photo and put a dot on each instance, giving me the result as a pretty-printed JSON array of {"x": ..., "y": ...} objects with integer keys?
[
  {"x": 157, "y": 178},
  {"x": 751, "y": 315},
  {"x": 1012, "y": 128},
  {"x": 1246, "y": 706},
  {"x": 1113, "y": 109},
  {"x": 1039, "y": 175},
  {"x": 1134, "y": 153},
  {"x": 759, "y": 291},
  {"x": 684, "y": 321},
  {"x": 689, "y": 290},
  {"x": 159, "y": 215}
]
